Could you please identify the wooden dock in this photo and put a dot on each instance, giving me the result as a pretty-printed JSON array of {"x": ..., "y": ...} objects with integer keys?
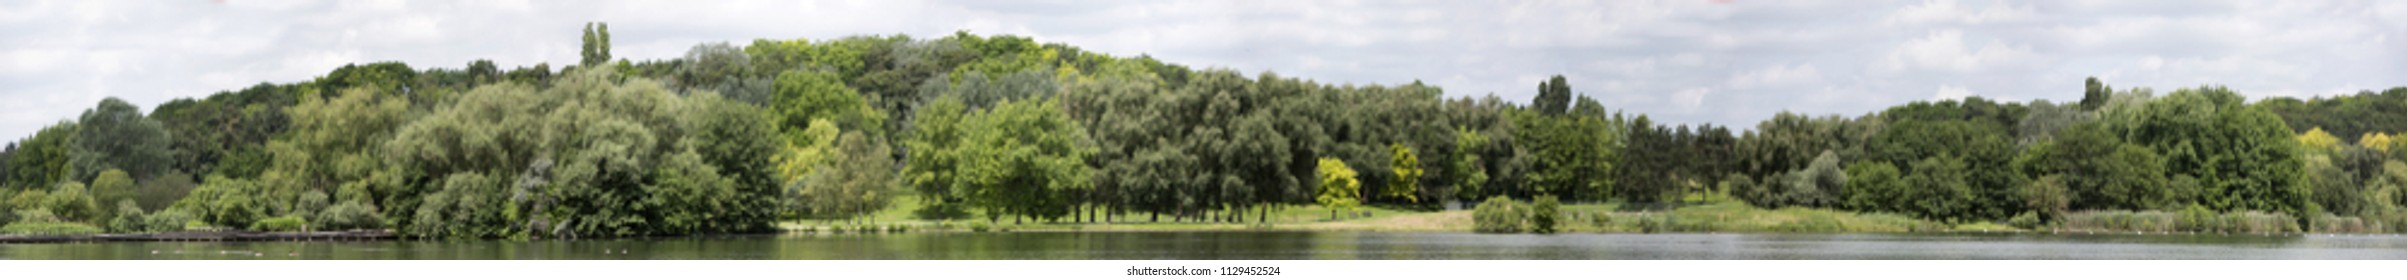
[{"x": 221, "y": 236}]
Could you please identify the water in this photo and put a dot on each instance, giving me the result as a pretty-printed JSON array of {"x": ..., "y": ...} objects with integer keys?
[{"x": 1279, "y": 245}]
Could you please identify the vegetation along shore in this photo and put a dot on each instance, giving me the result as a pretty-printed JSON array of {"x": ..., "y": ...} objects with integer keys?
[{"x": 1002, "y": 133}]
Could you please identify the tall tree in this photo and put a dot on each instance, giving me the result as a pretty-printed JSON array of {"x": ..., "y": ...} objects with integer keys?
[
  {"x": 1554, "y": 97},
  {"x": 597, "y": 44},
  {"x": 115, "y": 135}
]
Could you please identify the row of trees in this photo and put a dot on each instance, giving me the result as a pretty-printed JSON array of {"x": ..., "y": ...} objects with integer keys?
[{"x": 731, "y": 138}]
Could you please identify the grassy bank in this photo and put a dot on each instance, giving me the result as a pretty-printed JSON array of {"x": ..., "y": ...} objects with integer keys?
[{"x": 1579, "y": 218}]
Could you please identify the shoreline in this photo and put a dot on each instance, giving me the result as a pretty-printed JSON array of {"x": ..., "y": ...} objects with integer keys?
[{"x": 207, "y": 236}]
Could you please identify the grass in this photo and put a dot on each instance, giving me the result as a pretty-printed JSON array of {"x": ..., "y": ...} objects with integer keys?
[
  {"x": 1709, "y": 215},
  {"x": 49, "y": 228},
  {"x": 1737, "y": 217}
]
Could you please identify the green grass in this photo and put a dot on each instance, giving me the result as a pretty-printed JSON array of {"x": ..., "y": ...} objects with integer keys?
[
  {"x": 1710, "y": 214},
  {"x": 1737, "y": 217},
  {"x": 49, "y": 228}
]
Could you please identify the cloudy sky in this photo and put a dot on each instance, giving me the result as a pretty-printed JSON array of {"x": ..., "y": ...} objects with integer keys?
[{"x": 1691, "y": 61}]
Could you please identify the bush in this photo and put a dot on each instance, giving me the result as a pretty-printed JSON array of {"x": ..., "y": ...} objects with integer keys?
[
  {"x": 2026, "y": 220},
  {"x": 1543, "y": 214},
  {"x": 49, "y": 228},
  {"x": 167, "y": 220},
  {"x": 1497, "y": 215},
  {"x": 349, "y": 215},
  {"x": 129, "y": 217},
  {"x": 35, "y": 215},
  {"x": 979, "y": 227},
  {"x": 281, "y": 223},
  {"x": 2193, "y": 219}
]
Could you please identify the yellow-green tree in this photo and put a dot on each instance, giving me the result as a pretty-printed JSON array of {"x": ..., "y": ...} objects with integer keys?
[
  {"x": 2376, "y": 140},
  {"x": 1339, "y": 189},
  {"x": 1408, "y": 174},
  {"x": 2317, "y": 140}
]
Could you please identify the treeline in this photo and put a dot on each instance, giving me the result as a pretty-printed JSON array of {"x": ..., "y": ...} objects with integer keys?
[{"x": 733, "y": 138}]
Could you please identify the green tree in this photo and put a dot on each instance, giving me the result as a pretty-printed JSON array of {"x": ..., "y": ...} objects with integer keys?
[
  {"x": 596, "y": 50},
  {"x": 592, "y": 155},
  {"x": 858, "y": 179},
  {"x": 931, "y": 168},
  {"x": 115, "y": 135},
  {"x": 1876, "y": 187},
  {"x": 42, "y": 160},
  {"x": 1024, "y": 159},
  {"x": 1554, "y": 97},
  {"x": 1338, "y": 189},
  {"x": 2100, "y": 170},
  {"x": 2048, "y": 197},
  {"x": 112, "y": 186},
  {"x": 2245, "y": 158},
  {"x": 799, "y": 97}
]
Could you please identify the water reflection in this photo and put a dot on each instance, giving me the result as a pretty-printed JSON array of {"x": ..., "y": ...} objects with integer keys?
[{"x": 1280, "y": 245}]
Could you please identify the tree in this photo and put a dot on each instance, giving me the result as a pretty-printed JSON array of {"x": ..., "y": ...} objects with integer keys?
[
  {"x": 42, "y": 160},
  {"x": 1338, "y": 189},
  {"x": 2095, "y": 94},
  {"x": 111, "y": 186},
  {"x": 1554, "y": 97},
  {"x": 858, "y": 179},
  {"x": 597, "y": 45},
  {"x": 1024, "y": 159},
  {"x": 2245, "y": 158},
  {"x": 933, "y": 165},
  {"x": 1941, "y": 190},
  {"x": 2099, "y": 170},
  {"x": 115, "y": 135},
  {"x": 2334, "y": 189},
  {"x": 2376, "y": 140},
  {"x": 1408, "y": 174},
  {"x": 2318, "y": 141},
  {"x": 1875, "y": 187},
  {"x": 594, "y": 154},
  {"x": 800, "y": 97},
  {"x": 1818, "y": 184},
  {"x": 2048, "y": 197}
]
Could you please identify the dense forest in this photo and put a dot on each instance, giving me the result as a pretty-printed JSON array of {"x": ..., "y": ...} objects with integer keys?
[{"x": 734, "y": 138}]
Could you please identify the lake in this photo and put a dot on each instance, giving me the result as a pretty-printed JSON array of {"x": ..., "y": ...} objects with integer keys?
[{"x": 1279, "y": 246}]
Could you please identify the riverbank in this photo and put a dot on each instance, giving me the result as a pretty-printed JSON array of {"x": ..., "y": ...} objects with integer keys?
[
  {"x": 1576, "y": 218},
  {"x": 220, "y": 236}
]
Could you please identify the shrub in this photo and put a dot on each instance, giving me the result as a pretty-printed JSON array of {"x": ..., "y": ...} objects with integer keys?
[
  {"x": 49, "y": 228},
  {"x": 2026, "y": 220},
  {"x": 979, "y": 227},
  {"x": 129, "y": 217},
  {"x": 2196, "y": 218},
  {"x": 349, "y": 215},
  {"x": 1543, "y": 214},
  {"x": 1497, "y": 215},
  {"x": 167, "y": 220},
  {"x": 281, "y": 223}
]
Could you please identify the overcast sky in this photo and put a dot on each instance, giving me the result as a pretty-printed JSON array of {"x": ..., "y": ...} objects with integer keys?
[{"x": 1725, "y": 62}]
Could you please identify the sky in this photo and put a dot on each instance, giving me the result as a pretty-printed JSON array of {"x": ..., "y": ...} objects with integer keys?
[{"x": 1727, "y": 62}]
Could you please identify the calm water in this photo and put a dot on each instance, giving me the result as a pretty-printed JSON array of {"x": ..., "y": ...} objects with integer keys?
[{"x": 1280, "y": 245}]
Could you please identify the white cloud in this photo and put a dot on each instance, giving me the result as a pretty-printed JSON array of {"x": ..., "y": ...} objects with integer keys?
[
  {"x": 1948, "y": 11},
  {"x": 1951, "y": 92},
  {"x": 1692, "y": 98},
  {"x": 1945, "y": 51},
  {"x": 1776, "y": 76}
]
